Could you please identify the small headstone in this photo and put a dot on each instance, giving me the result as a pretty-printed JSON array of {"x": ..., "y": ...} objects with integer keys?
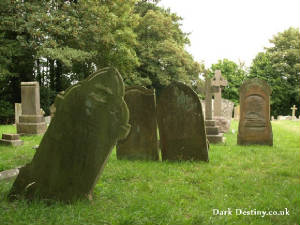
[
  {"x": 272, "y": 118},
  {"x": 18, "y": 112},
  {"x": 90, "y": 117},
  {"x": 31, "y": 121},
  {"x": 181, "y": 124},
  {"x": 224, "y": 121},
  {"x": 254, "y": 125},
  {"x": 47, "y": 119},
  {"x": 11, "y": 139},
  {"x": 141, "y": 142}
]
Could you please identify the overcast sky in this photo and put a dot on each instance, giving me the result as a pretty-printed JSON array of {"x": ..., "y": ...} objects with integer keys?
[{"x": 233, "y": 29}]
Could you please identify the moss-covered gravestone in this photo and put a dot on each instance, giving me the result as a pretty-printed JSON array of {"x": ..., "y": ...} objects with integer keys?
[
  {"x": 90, "y": 117},
  {"x": 141, "y": 142},
  {"x": 254, "y": 125},
  {"x": 181, "y": 124}
]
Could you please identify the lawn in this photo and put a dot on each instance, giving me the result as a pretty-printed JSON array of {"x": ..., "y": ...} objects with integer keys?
[{"x": 135, "y": 192}]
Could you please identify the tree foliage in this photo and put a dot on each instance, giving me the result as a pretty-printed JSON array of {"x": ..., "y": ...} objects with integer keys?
[
  {"x": 235, "y": 75},
  {"x": 279, "y": 65}
]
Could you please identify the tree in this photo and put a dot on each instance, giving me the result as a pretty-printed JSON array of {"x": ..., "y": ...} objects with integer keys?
[
  {"x": 234, "y": 74},
  {"x": 279, "y": 65},
  {"x": 160, "y": 48}
]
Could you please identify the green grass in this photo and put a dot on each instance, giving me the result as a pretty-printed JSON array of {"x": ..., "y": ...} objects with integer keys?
[{"x": 249, "y": 177}]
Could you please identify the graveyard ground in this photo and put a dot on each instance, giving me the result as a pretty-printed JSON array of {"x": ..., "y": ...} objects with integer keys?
[{"x": 252, "y": 177}]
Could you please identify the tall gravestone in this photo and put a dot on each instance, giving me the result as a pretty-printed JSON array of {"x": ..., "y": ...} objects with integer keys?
[
  {"x": 31, "y": 121},
  {"x": 141, "y": 142},
  {"x": 254, "y": 125},
  {"x": 226, "y": 112},
  {"x": 90, "y": 117},
  {"x": 294, "y": 112},
  {"x": 237, "y": 112},
  {"x": 212, "y": 131},
  {"x": 181, "y": 124}
]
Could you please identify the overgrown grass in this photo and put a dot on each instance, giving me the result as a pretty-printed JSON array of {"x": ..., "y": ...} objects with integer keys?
[{"x": 250, "y": 177}]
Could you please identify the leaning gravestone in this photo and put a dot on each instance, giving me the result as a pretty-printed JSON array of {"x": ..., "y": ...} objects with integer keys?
[
  {"x": 90, "y": 117},
  {"x": 18, "y": 112},
  {"x": 141, "y": 142},
  {"x": 254, "y": 125},
  {"x": 31, "y": 121},
  {"x": 181, "y": 124}
]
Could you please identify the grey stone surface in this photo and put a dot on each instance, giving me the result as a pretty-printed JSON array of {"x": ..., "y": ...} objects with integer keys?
[
  {"x": 141, "y": 143},
  {"x": 8, "y": 174},
  {"x": 181, "y": 124},
  {"x": 90, "y": 118}
]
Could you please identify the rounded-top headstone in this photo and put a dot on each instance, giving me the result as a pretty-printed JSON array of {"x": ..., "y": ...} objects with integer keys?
[
  {"x": 181, "y": 124},
  {"x": 254, "y": 125}
]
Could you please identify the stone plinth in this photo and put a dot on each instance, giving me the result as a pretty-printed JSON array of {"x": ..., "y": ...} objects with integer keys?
[
  {"x": 31, "y": 121},
  {"x": 254, "y": 125},
  {"x": 11, "y": 139}
]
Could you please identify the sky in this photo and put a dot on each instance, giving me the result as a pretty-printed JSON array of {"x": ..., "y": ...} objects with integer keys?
[{"x": 233, "y": 29}]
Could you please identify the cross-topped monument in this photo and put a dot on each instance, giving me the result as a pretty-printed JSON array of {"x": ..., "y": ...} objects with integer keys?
[
  {"x": 293, "y": 111},
  {"x": 218, "y": 81}
]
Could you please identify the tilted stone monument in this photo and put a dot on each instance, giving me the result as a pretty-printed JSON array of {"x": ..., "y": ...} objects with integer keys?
[
  {"x": 90, "y": 117},
  {"x": 31, "y": 121},
  {"x": 212, "y": 131},
  {"x": 181, "y": 124},
  {"x": 254, "y": 125},
  {"x": 141, "y": 142}
]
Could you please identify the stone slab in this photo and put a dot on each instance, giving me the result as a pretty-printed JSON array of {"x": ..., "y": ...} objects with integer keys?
[
  {"x": 11, "y": 142},
  {"x": 11, "y": 136},
  {"x": 9, "y": 174}
]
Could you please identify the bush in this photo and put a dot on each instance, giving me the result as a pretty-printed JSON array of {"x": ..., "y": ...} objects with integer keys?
[{"x": 6, "y": 112}]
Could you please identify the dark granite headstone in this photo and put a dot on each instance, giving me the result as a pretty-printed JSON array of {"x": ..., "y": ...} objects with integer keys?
[
  {"x": 141, "y": 143},
  {"x": 90, "y": 117},
  {"x": 254, "y": 125},
  {"x": 181, "y": 124}
]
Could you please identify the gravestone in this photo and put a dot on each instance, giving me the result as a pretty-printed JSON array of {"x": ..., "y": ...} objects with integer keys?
[
  {"x": 18, "y": 112},
  {"x": 212, "y": 131},
  {"x": 31, "y": 121},
  {"x": 90, "y": 117},
  {"x": 237, "y": 112},
  {"x": 181, "y": 124},
  {"x": 254, "y": 125},
  {"x": 141, "y": 142},
  {"x": 294, "y": 112},
  {"x": 11, "y": 139}
]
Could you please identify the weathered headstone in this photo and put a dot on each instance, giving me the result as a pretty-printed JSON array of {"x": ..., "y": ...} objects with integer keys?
[
  {"x": 18, "y": 112},
  {"x": 141, "y": 142},
  {"x": 254, "y": 125},
  {"x": 90, "y": 117},
  {"x": 181, "y": 124},
  {"x": 212, "y": 131},
  {"x": 237, "y": 112},
  {"x": 11, "y": 139},
  {"x": 294, "y": 112},
  {"x": 31, "y": 121}
]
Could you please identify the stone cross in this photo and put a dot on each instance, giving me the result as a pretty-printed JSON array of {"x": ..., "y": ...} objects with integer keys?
[
  {"x": 218, "y": 81},
  {"x": 293, "y": 111},
  {"x": 209, "y": 90}
]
